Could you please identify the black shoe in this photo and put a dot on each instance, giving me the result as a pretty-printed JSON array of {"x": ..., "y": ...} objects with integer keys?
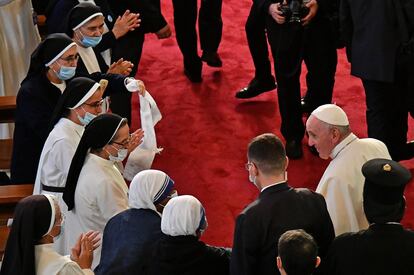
[
  {"x": 193, "y": 76},
  {"x": 256, "y": 88},
  {"x": 212, "y": 59},
  {"x": 294, "y": 149}
]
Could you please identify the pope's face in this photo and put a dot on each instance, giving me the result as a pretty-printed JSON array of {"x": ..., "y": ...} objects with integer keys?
[{"x": 320, "y": 136}]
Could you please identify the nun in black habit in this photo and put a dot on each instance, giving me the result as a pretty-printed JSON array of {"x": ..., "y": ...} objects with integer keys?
[
  {"x": 85, "y": 25},
  {"x": 37, "y": 222},
  {"x": 52, "y": 63}
]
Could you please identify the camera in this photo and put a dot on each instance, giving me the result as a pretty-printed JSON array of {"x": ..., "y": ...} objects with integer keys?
[{"x": 294, "y": 10}]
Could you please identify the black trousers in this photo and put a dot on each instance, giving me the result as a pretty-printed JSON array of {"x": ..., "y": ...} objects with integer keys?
[
  {"x": 257, "y": 41},
  {"x": 291, "y": 44},
  {"x": 210, "y": 26},
  {"x": 387, "y": 116},
  {"x": 128, "y": 47}
]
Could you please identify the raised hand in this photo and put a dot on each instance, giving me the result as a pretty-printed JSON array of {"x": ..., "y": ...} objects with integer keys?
[
  {"x": 121, "y": 66},
  {"x": 125, "y": 23}
]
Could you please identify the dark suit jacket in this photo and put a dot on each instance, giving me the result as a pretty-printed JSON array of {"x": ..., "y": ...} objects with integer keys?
[
  {"x": 279, "y": 208},
  {"x": 35, "y": 103},
  {"x": 150, "y": 13},
  {"x": 371, "y": 30},
  {"x": 382, "y": 249},
  {"x": 56, "y": 20}
]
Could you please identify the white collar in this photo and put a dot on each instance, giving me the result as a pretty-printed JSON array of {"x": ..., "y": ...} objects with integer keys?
[
  {"x": 79, "y": 129},
  {"x": 279, "y": 182},
  {"x": 342, "y": 145}
]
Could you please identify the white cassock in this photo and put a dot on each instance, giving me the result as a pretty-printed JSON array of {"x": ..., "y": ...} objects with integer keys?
[
  {"x": 101, "y": 193},
  {"x": 54, "y": 165},
  {"x": 342, "y": 184},
  {"x": 49, "y": 262},
  {"x": 143, "y": 156}
]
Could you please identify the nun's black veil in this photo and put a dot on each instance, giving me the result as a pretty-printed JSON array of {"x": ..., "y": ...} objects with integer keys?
[
  {"x": 75, "y": 90},
  {"x": 31, "y": 221},
  {"x": 98, "y": 133},
  {"x": 46, "y": 51}
]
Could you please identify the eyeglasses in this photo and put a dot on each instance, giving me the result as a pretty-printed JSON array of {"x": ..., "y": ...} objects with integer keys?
[
  {"x": 247, "y": 165},
  {"x": 97, "y": 104},
  {"x": 71, "y": 58},
  {"x": 124, "y": 143}
]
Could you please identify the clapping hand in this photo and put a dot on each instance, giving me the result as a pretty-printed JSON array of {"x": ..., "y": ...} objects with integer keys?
[
  {"x": 128, "y": 22},
  {"x": 122, "y": 67},
  {"x": 82, "y": 252}
]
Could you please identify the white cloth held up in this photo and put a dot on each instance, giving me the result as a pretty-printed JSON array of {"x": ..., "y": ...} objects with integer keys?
[{"x": 143, "y": 156}]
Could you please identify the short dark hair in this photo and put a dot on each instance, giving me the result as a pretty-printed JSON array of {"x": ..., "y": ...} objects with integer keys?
[
  {"x": 297, "y": 251},
  {"x": 268, "y": 153}
]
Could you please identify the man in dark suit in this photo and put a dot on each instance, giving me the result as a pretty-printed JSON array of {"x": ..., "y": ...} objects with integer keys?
[
  {"x": 279, "y": 208},
  {"x": 210, "y": 27},
  {"x": 294, "y": 40},
  {"x": 385, "y": 247},
  {"x": 263, "y": 80},
  {"x": 375, "y": 56}
]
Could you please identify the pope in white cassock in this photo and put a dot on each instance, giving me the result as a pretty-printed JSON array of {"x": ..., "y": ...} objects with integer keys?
[{"x": 342, "y": 183}]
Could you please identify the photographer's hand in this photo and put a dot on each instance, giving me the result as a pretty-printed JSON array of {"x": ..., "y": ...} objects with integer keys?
[
  {"x": 313, "y": 9},
  {"x": 276, "y": 13}
]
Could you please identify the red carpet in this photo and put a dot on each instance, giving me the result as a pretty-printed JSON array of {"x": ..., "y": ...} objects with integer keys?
[{"x": 205, "y": 129}]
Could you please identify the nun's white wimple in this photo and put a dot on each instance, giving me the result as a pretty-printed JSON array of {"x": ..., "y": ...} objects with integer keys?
[
  {"x": 87, "y": 19},
  {"x": 50, "y": 198},
  {"x": 87, "y": 96},
  {"x": 60, "y": 54}
]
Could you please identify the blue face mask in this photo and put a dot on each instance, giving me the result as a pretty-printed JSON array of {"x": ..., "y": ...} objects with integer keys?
[
  {"x": 91, "y": 41},
  {"x": 66, "y": 73},
  {"x": 86, "y": 118}
]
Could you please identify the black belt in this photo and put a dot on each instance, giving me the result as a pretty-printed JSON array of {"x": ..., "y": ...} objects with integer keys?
[{"x": 53, "y": 188}]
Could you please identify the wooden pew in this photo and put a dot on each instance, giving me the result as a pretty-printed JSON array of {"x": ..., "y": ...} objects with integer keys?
[
  {"x": 7, "y": 115},
  {"x": 10, "y": 195},
  {"x": 7, "y": 108},
  {"x": 4, "y": 234}
]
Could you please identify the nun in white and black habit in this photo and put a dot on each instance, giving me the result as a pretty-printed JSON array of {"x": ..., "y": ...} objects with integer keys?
[
  {"x": 95, "y": 190},
  {"x": 37, "y": 221}
]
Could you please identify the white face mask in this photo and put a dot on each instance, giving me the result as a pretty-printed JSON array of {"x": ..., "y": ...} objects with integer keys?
[{"x": 122, "y": 154}]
